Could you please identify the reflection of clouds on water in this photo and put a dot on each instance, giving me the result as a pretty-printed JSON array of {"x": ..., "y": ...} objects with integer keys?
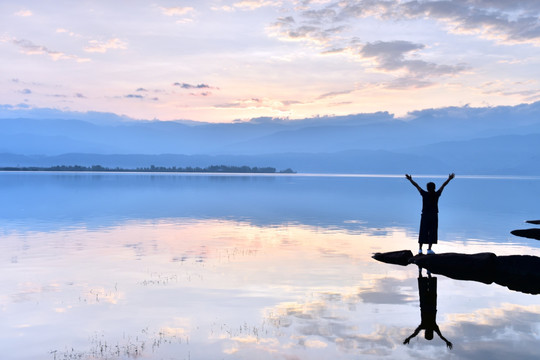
[
  {"x": 509, "y": 332},
  {"x": 33, "y": 292},
  {"x": 331, "y": 319},
  {"x": 30, "y": 291},
  {"x": 381, "y": 342},
  {"x": 101, "y": 295},
  {"x": 141, "y": 274},
  {"x": 252, "y": 345},
  {"x": 387, "y": 291}
]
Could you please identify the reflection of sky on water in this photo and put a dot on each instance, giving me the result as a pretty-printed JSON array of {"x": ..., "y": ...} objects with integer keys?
[
  {"x": 474, "y": 206},
  {"x": 113, "y": 266}
]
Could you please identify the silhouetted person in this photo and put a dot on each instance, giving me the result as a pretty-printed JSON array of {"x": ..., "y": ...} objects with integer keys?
[
  {"x": 429, "y": 222},
  {"x": 427, "y": 287}
]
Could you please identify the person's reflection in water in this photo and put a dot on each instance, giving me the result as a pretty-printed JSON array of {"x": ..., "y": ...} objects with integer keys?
[{"x": 427, "y": 287}]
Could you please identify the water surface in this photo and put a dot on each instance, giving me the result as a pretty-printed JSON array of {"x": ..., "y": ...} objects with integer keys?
[{"x": 173, "y": 266}]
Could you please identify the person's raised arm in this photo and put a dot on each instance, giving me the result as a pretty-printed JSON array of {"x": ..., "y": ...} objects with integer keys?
[
  {"x": 409, "y": 177},
  {"x": 450, "y": 177},
  {"x": 406, "y": 341},
  {"x": 448, "y": 343}
]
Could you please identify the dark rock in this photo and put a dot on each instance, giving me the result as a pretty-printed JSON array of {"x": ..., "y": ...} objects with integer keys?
[
  {"x": 528, "y": 233},
  {"x": 519, "y": 273},
  {"x": 477, "y": 267},
  {"x": 536, "y": 222},
  {"x": 401, "y": 257},
  {"x": 516, "y": 272}
]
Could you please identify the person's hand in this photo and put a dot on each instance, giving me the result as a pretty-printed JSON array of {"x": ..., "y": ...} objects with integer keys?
[
  {"x": 409, "y": 177},
  {"x": 406, "y": 341},
  {"x": 451, "y": 176},
  {"x": 449, "y": 345}
]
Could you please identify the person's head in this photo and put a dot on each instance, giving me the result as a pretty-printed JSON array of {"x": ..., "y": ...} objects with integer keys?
[
  {"x": 430, "y": 187},
  {"x": 428, "y": 334}
]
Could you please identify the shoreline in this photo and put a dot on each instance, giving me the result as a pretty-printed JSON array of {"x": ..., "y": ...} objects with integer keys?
[
  {"x": 13, "y": 170},
  {"x": 214, "y": 169}
]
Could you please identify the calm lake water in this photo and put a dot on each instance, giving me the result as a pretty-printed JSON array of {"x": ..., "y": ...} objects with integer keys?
[{"x": 168, "y": 266}]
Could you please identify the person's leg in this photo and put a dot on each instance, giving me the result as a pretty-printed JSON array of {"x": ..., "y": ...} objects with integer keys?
[
  {"x": 423, "y": 233},
  {"x": 432, "y": 232}
]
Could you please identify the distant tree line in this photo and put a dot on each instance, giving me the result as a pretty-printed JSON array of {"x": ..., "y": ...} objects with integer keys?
[{"x": 152, "y": 168}]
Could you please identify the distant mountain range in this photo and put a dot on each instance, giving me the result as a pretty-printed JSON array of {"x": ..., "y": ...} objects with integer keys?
[{"x": 491, "y": 140}]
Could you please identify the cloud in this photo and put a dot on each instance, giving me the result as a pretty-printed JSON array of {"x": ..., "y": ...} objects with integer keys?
[
  {"x": 334, "y": 94},
  {"x": 255, "y": 4},
  {"x": 245, "y": 103},
  {"x": 140, "y": 97},
  {"x": 331, "y": 26},
  {"x": 196, "y": 89},
  {"x": 103, "y": 46},
  {"x": 255, "y": 103},
  {"x": 327, "y": 28},
  {"x": 177, "y": 10},
  {"x": 320, "y": 16},
  {"x": 184, "y": 21},
  {"x": 390, "y": 56},
  {"x": 24, "y": 13},
  {"x": 288, "y": 29},
  {"x": 528, "y": 94},
  {"x": 190, "y": 86},
  {"x": 26, "y": 83},
  {"x": 54, "y": 95},
  {"x": 225, "y": 8},
  {"x": 65, "y": 31},
  {"x": 187, "y": 86},
  {"x": 408, "y": 82},
  {"x": 287, "y": 103},
  {"x": 29, "y": 48},
  {"x": 498, "y": 20},
  {"x": 524, "y": 89}
]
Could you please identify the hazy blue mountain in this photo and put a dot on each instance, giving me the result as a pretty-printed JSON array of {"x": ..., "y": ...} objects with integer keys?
[
  {"x": 26, "y": 112},
  {"x": 496, "y": 140},
  {"x": 354, "y": 161},
  {"x": 505, "y": 154}
]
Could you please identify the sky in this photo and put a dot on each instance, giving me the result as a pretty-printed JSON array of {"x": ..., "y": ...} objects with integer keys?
[{"x": 224, "y": 60}]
